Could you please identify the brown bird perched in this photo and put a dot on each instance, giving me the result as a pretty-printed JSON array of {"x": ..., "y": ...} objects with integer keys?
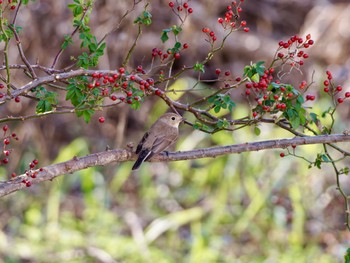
[{"x": 161, "y": 135}]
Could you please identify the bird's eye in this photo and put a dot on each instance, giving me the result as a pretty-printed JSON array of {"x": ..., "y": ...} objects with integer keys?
[{"x": 173, "y": 118}]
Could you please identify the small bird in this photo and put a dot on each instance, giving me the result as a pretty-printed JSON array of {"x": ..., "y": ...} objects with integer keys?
[{"x": 161, "y": 135}]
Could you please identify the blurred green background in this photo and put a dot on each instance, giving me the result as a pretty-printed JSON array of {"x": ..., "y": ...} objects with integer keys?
[{"x": 250, "y": 207}]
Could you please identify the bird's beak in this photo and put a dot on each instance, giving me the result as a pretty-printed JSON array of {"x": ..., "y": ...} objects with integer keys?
[{"x": 183, "y": 119}]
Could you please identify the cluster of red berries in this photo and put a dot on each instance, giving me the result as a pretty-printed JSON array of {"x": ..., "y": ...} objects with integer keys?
[
  {"x": 6, "y": 141},
  {"x": 31, "y": 173},
  {"x": 12, "y": 5},
  {"x": 181, "y": 7},
  {"x": 17, "y": 99},
  {"x": 226, "y": 73},
  {"x": 210, "y": 34},
  {"x": 274, "y": 99},
  {"x": 332, "y": 90},
  {"x": 118, "y": 82},
  {"x": 292, "y": 49},
  {"x": 230, "y": 18},
  {"x": 156, "y": 52}
]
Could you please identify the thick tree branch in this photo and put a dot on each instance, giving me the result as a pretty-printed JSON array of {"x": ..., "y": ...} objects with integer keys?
[{"x": 123, "y": 155}]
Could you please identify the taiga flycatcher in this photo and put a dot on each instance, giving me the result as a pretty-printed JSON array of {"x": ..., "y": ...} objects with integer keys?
[{"x": 161, "y": 135}]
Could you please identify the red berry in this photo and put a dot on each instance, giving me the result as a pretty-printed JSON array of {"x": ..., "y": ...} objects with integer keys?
[
  {"x": 121, "y": 70},
  {"x": 171, "y": 4},
  {"x": 326, "y": 89},
  {"x": 227, "y": 73},
  {"x": 326, "y": 82},
  {"x": 17, "y": 99},
  {"x": 243, "y": 23},
  {"x": 238, "y": 79},
  {"x": 280, "y": 55},
  {"x": 308, "y": 36},
  {"x": 13, "y": 175},
  {"x": 5, "y": 128},
  {"x": 101, "y": 119},
  {"x": 255, "y": 114},
  {"x": 339, "y": 88},
  {"x": 28, "y": 183},
  {"x": 158, "y": 92},
  {"x": 205, "y": 30},
  {"x": 13, "y": 7},
  {"x": 247, "y": 92},
  {"x": 282, "y": 155},
  {"x": 239, "y": 9},
  {"x": 347, "y": 94},
  {"x": 35, "y": 161},
  {"x": 340, "y": 100},
  {"x": 31, "y": 165},
  {"x": 113, "y": 97},
  {"x": 132, "y": 78},
  {"x": 97, "y": 84},
  {"x": 246, "y": 29},
  {"x": 150, "y": 81},
  {"x": 220, "y": 20},
  {"x": 177, "y": 55},
  {"x": 190, "y": 10},
  {"x": 6, "y": 141},
  {"x": 218, "y": 71},
  {"x": 185, "y": 5},
  {"x": 185, "y": 46}
]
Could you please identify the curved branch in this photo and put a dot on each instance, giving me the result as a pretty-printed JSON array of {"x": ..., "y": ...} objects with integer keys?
[{"x": 123, "y": 155}]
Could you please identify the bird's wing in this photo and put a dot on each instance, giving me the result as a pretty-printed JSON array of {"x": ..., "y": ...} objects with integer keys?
[
  {"x": 140, "y": 145},
  {"x": 163, "y": 142}
]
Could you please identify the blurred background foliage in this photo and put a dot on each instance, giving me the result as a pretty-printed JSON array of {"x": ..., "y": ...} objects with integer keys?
[{"x": 251, "y": 207}]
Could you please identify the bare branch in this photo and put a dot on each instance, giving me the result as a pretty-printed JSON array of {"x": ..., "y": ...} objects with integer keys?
[{"x": 123, "y": 155}]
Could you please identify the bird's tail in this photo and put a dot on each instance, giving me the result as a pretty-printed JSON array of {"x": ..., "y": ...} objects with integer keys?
[{"x": 144, "y": 155}]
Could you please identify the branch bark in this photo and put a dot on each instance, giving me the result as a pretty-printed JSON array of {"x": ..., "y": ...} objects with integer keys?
[{"x": 123, "y": 155}]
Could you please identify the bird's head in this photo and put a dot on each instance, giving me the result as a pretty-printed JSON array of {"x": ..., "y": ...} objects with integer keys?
[{"x": 172, "y": 119}]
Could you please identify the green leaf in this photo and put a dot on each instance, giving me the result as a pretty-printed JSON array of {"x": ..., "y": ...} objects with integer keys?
[
  {"x": 255, "y": 77},
  {"x": 164, "y": 36},
  {"x": 197, "y": 125},
  {"x": 222, "y": 124},
  {"x": 199, "y": 67},
  {"x": 325, "y": 158},
  {"x": 260, "y": 68},
  {"x": 87, "y": 114},
  {"x": 257, "y": 131},
  {"x": 347, "y": 256},
  {"x": 176, "y": 30},
  {"x": 135, "y": 105},
  {"x": 217, "y": 109},
  {"x": 177, "y": 45},
  {"x": 67, "y": 40},
  {"x": 344, "y": 170},
  {"x": 77, "y": 10},
  {"x": 313, "y": 117}
]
